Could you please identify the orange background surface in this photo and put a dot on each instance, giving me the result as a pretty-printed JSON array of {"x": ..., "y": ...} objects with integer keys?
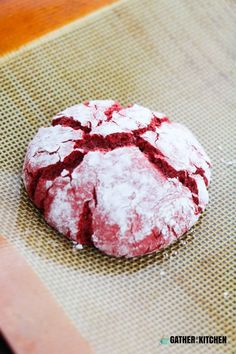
[
  {"x": 31, "y": 320},
  {"x": 24, "y": 20}
]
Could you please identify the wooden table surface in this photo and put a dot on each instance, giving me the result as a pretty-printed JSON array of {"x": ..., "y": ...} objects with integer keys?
[{"x": 24, "y": 20}]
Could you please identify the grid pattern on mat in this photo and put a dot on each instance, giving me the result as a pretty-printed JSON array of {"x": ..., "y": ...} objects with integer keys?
[{"x": 172, "y": 56}]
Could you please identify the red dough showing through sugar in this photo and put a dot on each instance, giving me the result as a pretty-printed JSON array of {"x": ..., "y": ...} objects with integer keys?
[{"x": 123, "y": 179}]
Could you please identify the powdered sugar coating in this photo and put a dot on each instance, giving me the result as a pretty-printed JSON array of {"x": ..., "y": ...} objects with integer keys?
[{"x": 124, "y": 179}]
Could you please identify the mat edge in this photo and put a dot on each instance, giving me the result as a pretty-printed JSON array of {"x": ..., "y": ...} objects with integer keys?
[{"x": 79, "y": 22}]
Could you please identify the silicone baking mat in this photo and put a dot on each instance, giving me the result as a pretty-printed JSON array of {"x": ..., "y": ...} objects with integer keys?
[{"x": 172, "y": 56}]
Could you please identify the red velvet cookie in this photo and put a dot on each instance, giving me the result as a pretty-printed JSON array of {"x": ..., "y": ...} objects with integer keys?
[{"x": 124, "y": 179}]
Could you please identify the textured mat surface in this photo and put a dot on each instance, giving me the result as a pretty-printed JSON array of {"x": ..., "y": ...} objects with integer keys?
[{"x": 172, "y": 56}]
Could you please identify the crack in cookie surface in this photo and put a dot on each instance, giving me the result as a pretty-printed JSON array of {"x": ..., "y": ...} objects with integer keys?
[{"x": 51, "y": 172}]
